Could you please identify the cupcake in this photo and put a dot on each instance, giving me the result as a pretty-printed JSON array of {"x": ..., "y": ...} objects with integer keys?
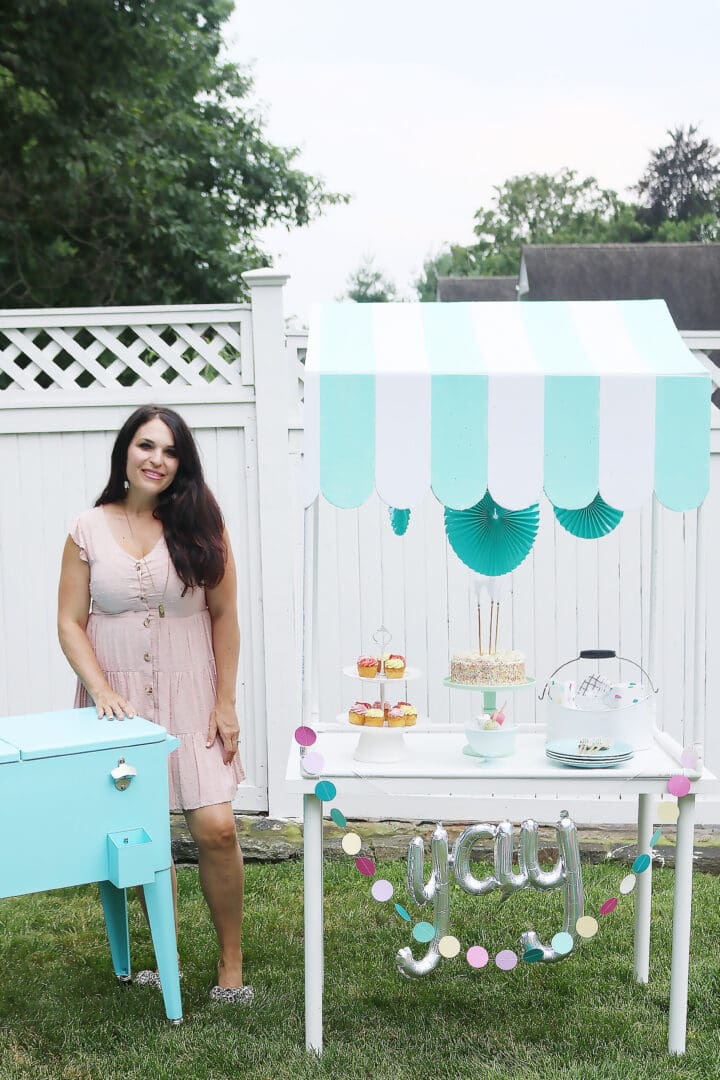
[
  {"x": 410, "y": 713},
  {"x": 356, "y": 712},
  {"x": 394, "y": 666},
  {"x": 396, "y": 717},
  {"x": 367, "y": 667},
  {"x": 374, "y": 718}
]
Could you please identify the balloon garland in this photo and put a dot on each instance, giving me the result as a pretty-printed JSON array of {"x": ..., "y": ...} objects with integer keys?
[{"x": 449, "y": 946}]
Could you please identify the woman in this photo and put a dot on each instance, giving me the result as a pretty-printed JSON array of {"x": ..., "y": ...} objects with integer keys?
[{"x": 162, "y": 641}]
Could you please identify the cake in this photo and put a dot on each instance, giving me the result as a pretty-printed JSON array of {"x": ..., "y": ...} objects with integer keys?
[
  {"x": 396, "y": 717},
  {"x": 367, "y": 667},
  {"x": 487, "y": 669},
  {"x": 374, "y": 718},
  {"x": 394, "y": 666},
  {"x": 410, "y": 713},
  {"x": 356, "y": 712}
]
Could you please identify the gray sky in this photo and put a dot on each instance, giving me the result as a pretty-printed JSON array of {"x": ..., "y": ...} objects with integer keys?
[{"x": 417, "y": 109}]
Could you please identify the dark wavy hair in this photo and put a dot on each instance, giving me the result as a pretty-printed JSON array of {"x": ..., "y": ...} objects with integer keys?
[{"x": 190, "y": 516}]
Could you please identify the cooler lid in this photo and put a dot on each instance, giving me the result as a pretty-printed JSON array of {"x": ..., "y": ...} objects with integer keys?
[
  {"x": 8, "y": 753},
  {"x": 73, "y": 731}
]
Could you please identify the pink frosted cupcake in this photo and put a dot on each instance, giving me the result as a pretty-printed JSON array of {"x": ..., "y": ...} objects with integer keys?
[
  {"x": 396, "y": 717},
  {"x": 356, "y": 712},
  {"x": 367, "y": 667}
]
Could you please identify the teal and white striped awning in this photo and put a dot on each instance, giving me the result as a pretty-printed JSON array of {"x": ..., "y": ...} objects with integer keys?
[{"x": 574, "y": 398}]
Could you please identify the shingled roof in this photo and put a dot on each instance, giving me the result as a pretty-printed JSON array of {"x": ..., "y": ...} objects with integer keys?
[
  {"x": 686, "y": 276},
  {"x": 477, "y": 288}
]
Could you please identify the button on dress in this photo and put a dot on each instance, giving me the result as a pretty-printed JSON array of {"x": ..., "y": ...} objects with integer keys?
[{"x": 165, "y": 667}]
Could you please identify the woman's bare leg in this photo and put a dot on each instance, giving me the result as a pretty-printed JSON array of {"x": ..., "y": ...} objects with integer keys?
[{"x": 222, "y": 880}]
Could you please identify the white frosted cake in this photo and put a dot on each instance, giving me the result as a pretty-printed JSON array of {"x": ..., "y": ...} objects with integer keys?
[{"x": 487, "y": 669}]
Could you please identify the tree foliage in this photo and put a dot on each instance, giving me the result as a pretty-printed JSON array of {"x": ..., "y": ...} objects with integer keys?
[
  {"x": 368, "y": 285},
  {"x": 680, "y": 201},
  {"x": 132, "y": 168},
  {"x": 681, "y": 183}
]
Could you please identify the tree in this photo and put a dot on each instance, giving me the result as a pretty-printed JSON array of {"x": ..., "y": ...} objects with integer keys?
[
  {"x": 367, "y": 285},
  {"x": 682, "y": 184},
  {"x": 536, "y": 208},
  {"x": 132, "y": 169}
]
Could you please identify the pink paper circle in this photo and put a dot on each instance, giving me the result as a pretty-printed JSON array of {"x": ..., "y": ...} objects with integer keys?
[
  {"x": 689, "y": 758},
  {"x": 313, "y": 762},
  {"x": 609, "y": 906},
  {"x": 678, "y": 785},
  {"x": 365, "y": 866},
  {"x": 506, "y": 960},
  {"x": 305, "y": 736},
  {"x": 477, "y": 957},
  {"x": 382, "y": 890}
]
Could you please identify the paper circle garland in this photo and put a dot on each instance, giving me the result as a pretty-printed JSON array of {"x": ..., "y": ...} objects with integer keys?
[
  {"x": 399, "y": 519},
  {"x": 590, "y": 522},
  {"x": 490, "y": 539},
  {"x": 476, "y": 956}
]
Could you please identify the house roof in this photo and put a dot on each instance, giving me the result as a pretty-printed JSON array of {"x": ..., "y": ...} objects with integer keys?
[
  {"x": 574, "y": 398},
  {"x": 477, "y": 288},
  {"x": 685, "y": 276}
]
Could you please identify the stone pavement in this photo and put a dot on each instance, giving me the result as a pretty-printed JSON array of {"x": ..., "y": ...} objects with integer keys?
[{"x": 264, "y": 839}]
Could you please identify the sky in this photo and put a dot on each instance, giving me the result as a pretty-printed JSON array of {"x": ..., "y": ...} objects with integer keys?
[{"x": 418, "y": 109}]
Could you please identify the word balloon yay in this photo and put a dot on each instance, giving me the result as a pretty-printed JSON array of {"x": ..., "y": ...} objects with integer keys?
[{"x": 566, "y": 874}]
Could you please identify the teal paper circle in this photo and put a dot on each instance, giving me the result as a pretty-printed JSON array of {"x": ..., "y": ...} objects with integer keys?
[
  {"x": 490, "y": 539},
  {"x": 325, "y": 790},
  {"x": 641, "y": 864},
  {"x": 423, "y": 931},
  {"x": 338, "y": 817},
  {"x": 590, "y": 522},
  {"x": 532, "y": 956}
]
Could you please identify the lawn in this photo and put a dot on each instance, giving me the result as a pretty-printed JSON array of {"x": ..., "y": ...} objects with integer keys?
[{"x": 64, "y": 1016}]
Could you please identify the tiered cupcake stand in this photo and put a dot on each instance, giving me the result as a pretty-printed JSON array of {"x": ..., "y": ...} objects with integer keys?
[{"x": 379, "y": 744}]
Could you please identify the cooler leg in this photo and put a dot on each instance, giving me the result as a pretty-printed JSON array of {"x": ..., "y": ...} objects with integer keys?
[
  {"x": 114, "y": 902},
  {"x": 643, "y": 890},
  {"x": 161, "y": 916}
]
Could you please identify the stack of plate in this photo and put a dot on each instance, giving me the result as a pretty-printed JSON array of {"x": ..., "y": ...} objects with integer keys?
[{"x": 567, "y": 752}]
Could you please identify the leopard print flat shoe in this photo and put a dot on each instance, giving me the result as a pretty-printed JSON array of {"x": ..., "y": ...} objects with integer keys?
[{"x": 232, "y": 995}]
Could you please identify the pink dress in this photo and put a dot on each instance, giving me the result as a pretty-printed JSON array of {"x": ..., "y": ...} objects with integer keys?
[{"x": 164, "y": 667}]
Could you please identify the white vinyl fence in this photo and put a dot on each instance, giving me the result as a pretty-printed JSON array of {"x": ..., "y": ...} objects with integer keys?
[{"x": 67, "y": 381}]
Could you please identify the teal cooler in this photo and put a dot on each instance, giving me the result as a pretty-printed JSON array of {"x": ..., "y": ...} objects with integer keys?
[{"x": 84, "y": 799}]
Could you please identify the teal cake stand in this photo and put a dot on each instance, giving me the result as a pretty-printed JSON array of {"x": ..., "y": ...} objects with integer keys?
[{"x": 490, "y": 693}]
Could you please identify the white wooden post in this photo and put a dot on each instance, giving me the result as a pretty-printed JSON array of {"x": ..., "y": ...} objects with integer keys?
[{"x": 272, "y": 411}]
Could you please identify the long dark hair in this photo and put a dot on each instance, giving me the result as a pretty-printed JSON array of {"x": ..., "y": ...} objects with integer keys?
[{"x": 190, "y": 516}]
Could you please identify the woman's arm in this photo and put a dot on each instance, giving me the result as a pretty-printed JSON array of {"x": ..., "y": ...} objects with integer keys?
[
  {"x": 73, "y": 608},
  {"x": 222, "y": 605}
]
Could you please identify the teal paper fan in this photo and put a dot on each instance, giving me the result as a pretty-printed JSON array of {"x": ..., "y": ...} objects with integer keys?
[
  {"x": 399, "y": 520},
  {"x": 591, "y": 521},
  {"x": 490, "y": 539}
]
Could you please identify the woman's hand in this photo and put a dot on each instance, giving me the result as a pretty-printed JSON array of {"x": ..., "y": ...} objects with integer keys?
[
  {"x": 223, "y": 723},
  {"x": 111, "y": 705}
]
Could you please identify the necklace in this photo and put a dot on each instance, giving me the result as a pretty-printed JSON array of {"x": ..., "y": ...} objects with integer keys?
[{"x": 143, "y": 562}]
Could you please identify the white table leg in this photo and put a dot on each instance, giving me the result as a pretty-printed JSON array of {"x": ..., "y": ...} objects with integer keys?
[
  {"x": 643, "y": 890},
  {"x": 314, "y": 952},
  {"x": 682, "y": 907}
]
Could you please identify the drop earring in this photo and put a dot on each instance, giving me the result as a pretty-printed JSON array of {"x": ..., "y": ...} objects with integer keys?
[{"x": 126, "y": 484}]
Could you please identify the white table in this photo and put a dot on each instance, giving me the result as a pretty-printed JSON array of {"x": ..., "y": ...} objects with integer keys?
[{"x": 435, "y": 766}]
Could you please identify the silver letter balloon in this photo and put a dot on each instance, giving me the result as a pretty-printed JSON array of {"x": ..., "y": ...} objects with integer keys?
[{"x": 566, "y": 874}]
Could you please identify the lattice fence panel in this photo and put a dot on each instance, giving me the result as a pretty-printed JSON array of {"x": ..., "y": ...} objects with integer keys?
[{"x": 39, "y": 359}]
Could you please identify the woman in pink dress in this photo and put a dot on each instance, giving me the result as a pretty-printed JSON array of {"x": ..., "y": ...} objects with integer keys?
[{"x": 147, "y": 618}]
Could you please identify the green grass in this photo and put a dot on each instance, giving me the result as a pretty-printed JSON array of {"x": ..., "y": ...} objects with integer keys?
[{"x": 63, "y": 1016}]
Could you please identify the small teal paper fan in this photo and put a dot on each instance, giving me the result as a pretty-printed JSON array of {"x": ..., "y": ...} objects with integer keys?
[
  {"x": 399, "y": 520},
  {"x": 590, "y": 522},
  {"x": 490, "y": 539}
]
